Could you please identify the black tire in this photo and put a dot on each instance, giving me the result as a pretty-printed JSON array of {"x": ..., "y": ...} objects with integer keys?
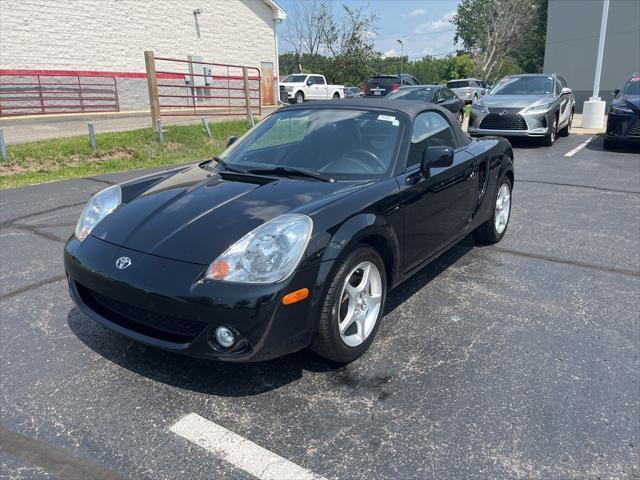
[
  {"x": 299, "y": 98},
  {"x": 460, "y": 117},
  {"x": 487, "y": 233},
  {"x": 550, "y": 138},
  {"x": 336, "y": 96},
  {"x": 327, "y": 342},
  {"x": 609, "y": 144},
  {"x": 564, "y": 132}
]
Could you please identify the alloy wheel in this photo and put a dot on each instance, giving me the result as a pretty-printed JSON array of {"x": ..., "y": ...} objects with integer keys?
[
  {"x": 503, "y": 208},
  {"x": 360, "y": 303}
]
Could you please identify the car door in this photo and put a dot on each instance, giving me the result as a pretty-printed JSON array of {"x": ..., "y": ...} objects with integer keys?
[
  {"x": 448, "y": 101},
  {"x": 436, "y": 210},
  {"x": 320, "y": 88}
]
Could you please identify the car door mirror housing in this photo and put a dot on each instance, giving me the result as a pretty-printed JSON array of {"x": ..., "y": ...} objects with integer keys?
[
  {"x": 440, "y": 100},
  {"x": 566, "y": 91},
  {"x": 435, "y": 157},
  {"x": 231, "y": 141},
  {"x": 309, "y": 83},
  {"x": 616, "y": 92}
]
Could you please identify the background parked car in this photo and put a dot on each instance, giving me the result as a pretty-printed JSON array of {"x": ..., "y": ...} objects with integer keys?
[
  {"x": 438, "y": 94},
  {"x": 301, "y": 87},
  {"x": 352, "y": 92},
  {"x": 380, "y": 85},
  {"x": 527, "y": 105},
  {"x": 467, "y": 89},
  {"x": 623, "y": 119}
]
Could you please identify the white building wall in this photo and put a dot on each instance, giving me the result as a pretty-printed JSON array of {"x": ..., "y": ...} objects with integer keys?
[{"x": 113, "y": 34}]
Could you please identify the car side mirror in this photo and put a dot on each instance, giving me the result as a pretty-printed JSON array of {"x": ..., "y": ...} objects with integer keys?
[
  {"x": 616, "y": 92},
  {"x": 440, "y": 100},
  {"x": 231, "y": 141},
  {"x": 309, "y": 83},
  {"x": 435, "y": 157},
  {"x": 566, "y": 91}
]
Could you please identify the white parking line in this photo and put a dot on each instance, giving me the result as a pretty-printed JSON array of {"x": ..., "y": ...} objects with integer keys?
[
  {"x": 571, "y": 153},
  {"x": 237, "y": 450}
]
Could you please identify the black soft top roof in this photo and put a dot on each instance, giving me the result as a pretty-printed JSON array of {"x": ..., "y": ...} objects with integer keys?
[{"x": 412, "y": 108}]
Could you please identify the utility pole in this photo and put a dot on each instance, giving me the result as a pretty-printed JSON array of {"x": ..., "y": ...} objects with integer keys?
[{"x": 401, "y": 55}]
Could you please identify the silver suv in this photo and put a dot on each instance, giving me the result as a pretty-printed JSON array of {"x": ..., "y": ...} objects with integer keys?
[
  {"x": 528, "y": 105},
  {"x": 467, "y": 89}
]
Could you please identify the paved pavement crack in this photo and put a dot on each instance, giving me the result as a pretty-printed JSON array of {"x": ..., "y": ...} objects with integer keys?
[
  {"x": 37, "y": 231},
  {"x": 100, "y": 180},
  {"x": 11, "y": 221},
  {"x": 54, "y": 460},
  {"x": 575, "y": 263},
  {"x": 616, "y": 190},
  {"x": 33, "y": 286}
]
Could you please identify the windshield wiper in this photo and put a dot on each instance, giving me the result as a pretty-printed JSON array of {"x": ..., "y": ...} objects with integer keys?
[
  {"x": 292, "y": 172},
  {"x": 228, "y": 167}
]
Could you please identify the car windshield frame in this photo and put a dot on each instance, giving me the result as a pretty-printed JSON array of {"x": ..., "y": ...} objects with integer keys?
[
  {"x": 237, "y": 153},
  {"x": 499, "y": 87}
]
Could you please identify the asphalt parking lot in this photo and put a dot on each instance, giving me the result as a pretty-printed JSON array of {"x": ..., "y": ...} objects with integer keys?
[{"x": 515, "y": 361}]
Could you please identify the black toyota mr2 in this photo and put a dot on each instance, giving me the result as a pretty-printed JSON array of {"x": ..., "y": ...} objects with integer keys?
[{"x": 293, "y": 237}]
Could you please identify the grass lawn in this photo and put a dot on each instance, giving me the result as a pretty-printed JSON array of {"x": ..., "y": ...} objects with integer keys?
[
  {"x": 467, "y": 111},
  {"x": 64, "y": 158}
]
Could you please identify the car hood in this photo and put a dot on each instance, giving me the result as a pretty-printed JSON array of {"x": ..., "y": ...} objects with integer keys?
[
  {"x": 194, "y": 215},
  {"x": 628, "y": 101},
  {"x": 514, "y": 101}
]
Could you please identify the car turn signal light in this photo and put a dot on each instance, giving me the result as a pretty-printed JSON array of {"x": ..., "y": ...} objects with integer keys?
[{"x": 296, "y": 296}]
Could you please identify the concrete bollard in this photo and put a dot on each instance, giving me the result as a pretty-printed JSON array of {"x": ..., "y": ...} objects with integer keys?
[
  {"x": 92, "y": 136},
  {"x": 160, "y": 133},
  {"x": 205, "y": 127},
  {"x": 3, "y": 147}
]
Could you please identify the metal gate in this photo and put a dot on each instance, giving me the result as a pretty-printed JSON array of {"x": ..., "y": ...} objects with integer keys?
[{"x": 55, "y": 93}]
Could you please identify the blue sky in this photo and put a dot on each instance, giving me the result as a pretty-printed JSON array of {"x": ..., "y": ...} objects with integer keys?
[{"x": 422, "y": 25}]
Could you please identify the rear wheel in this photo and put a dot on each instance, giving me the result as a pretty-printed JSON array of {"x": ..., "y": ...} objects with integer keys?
[
  {"x": 564, "y": 132},
  {"x": 299, "y": 97},
  {"x": 336, "y": 96},
  {"x": 550, "y": 137},
  {"x": 460, "y": 117},
  {"x": 496, "y": 225},
  {"x": 352, "y": 307}
]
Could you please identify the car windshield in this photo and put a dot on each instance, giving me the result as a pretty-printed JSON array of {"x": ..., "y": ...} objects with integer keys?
[
  {"x": 541, "y": 85},
  {"x": 383, "y": 81},
  {"x": 340, "y": 143},
  {"x": 425, "y": 94},
  {"x": 458, "y": 84},
  {"x": 633, "y": 86},
  {"x": 294, "y": 79}
]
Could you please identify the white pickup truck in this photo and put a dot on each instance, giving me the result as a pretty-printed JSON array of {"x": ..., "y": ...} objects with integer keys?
[{"x": 301, "y": 86}]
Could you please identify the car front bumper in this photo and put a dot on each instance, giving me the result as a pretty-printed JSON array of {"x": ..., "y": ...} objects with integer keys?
[
  {"x": 510, "y": 124},
  {"x": 164, "y": 303},
  {"x": 623, "y": 127}
]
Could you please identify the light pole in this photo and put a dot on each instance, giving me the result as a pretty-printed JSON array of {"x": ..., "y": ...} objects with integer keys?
[
  {"x": 401, "y": 54},
  {"x": 593, "y": 109}
]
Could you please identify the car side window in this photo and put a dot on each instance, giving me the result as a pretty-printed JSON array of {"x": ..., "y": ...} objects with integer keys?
[
  {"x": 448, "y": 94},
  {"x": 558, "y": 87},
  {"x": 319, "y": 81},
  {"x": 430, "y": 129}
]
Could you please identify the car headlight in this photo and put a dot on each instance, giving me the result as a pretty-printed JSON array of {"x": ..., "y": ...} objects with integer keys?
[
  {"x": 268, "y": 254},
  {"x": 620, "y": 110},
  {"x": 479, "y": 107},
  {"x": 101, "y": 204},
  {"x": 289, "y": 88},
  {"x": 539, "y": 108}
]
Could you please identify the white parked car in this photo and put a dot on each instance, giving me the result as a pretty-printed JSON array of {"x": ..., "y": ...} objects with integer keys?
[{"x": 302, "y": 86}]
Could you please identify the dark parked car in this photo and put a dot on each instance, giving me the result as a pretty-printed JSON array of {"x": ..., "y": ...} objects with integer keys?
[
  {"x": 623, "y": 119},
  {"x": 293, "y": 236},
  {"x": 380, "y": 85},
  {"x": 438, "y": 94}
]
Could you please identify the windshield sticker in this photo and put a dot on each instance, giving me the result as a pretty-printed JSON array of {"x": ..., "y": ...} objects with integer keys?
[{"x": 387, "y": 118}]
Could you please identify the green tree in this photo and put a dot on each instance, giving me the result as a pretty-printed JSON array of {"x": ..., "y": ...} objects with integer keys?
[{"x": 529, "y": 54}]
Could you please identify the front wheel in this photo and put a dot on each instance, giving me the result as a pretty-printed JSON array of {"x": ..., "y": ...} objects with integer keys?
[
  {"x": 564, "y": 132},
  {"x": 495, "y": 227},
  {"x": 352, "y": 307},
  {"x": 299, "y": 97},
  {"x": 460, "y": 117},
  {"x": 550, "y": 137}
]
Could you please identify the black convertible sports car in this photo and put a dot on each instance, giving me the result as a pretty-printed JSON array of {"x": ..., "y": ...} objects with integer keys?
[
  {"x": 623, "y": 119},
  {"x": 293, "y": 236}
]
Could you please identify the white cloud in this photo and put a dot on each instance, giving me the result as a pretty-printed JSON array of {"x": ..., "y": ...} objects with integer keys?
[
  {"x": 438, "y": 25},
  {"x": 390, "y": 53},
  {"x": 418, "y": 12}
]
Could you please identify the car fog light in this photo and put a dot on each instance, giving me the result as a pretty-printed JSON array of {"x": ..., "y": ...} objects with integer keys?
[{"x": 225, "y": 337}]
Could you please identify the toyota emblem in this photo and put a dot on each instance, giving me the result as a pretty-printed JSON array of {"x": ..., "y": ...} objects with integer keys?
[{"x": 123, "y": 262}]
